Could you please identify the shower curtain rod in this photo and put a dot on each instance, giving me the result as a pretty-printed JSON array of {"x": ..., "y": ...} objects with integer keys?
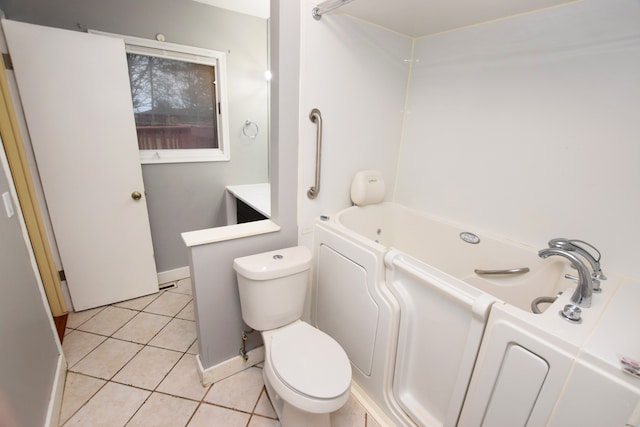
[{"x": 326, "y": 7}]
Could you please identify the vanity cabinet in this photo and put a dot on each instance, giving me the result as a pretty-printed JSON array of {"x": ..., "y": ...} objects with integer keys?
[
  {"x": 249, "y": 202},
  {"x": 246, "y": 213}
]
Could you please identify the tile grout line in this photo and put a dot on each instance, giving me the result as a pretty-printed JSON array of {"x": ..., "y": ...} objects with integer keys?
[
  {"x": 203, "y": 402},
  {"x": 87, "y": 401},
  {"x": 151, "y": 339},
  {"x": 155, "y": 389},
  {"x": 111, "y": 336},
  {"x": 107, "y": 337},
  {"x": 102, "y": 379},
  {"x": 184, "y": 353}
]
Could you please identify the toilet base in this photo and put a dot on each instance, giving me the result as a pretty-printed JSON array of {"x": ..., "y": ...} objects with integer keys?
[{"x": 290, "y": 416}]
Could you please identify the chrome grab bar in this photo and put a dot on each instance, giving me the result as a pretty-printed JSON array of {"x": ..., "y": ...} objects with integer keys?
[
  {"x": 316, "y": 117},
  {"x": 521, "y": 270}
]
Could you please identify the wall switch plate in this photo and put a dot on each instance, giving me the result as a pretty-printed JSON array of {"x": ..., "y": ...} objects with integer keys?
[{"x": 8, "y": 204}]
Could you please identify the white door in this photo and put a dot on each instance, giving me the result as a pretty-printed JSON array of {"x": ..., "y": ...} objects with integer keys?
[{"x": 75, "y": 93}]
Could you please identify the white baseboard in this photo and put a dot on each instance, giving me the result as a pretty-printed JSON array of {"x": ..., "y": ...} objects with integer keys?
[
  {"x": 229, "y": 367},
  {"x": 55, "y": 402},
  {"x": 371, "y": 407},
  {"x": 173, "y": 275}
]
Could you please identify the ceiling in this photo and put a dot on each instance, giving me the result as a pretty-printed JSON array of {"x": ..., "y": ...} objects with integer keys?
[
  {"x": 414, "y": 18},
  {"x": 259, "y": 8},
  {"x": 417, "y": 18}
]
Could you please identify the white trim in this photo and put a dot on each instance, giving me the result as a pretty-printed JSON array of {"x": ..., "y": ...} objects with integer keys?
[
  {"x": 196, "y": 55},
  {"x": 173, "y": 275},
  {"x": 55, "y": 403},
  {"x": 370, "y": 406},
  {"x": 228, "y": 232},
  {"x": 163, "y": 46},
  {"x": 229, "y": 367},
  {"x": 184, "y": 156}
]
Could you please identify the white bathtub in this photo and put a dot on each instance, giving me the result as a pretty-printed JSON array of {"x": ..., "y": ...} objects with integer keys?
[
  {"x": 438, "y": 244},
  {"x": 397, "y": 289}
]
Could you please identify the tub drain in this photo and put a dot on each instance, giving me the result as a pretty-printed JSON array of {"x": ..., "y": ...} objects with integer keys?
[{"x": 470, "y": 237}]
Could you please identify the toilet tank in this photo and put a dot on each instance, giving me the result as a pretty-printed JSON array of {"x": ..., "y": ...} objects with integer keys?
[{"x": 273, "y": 286}]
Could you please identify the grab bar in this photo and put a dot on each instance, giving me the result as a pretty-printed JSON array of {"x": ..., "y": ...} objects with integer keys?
[
  {"x": 316, "y": 117},
  {"x": 502, "y": 272}
]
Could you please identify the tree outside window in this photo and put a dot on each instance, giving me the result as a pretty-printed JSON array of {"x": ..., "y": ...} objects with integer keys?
[{"x": 174, "y": 103}]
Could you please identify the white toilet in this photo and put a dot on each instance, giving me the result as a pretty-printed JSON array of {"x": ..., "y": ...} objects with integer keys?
[{"x": 306, "y": 372}]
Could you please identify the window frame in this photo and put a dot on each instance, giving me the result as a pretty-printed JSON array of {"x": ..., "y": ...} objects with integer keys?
[{"x": 195, "y": 55}]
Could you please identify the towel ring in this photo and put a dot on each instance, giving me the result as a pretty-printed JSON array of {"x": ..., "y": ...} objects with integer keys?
[{"x": 250, "y": 129}]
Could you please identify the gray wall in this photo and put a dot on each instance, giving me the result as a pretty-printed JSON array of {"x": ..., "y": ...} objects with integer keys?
[
  {"x": 219, "y": 321},
  {"x": 187, "y": 196},
  {"x": 29, "y": 353},
  {"x": 217, "y": 303}
]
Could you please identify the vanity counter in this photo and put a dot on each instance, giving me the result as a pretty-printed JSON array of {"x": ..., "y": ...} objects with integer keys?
[{"x": 258, "y": 196}]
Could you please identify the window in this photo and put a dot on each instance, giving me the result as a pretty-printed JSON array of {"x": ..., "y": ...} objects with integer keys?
[
  {"x": 179, "y": 101},
  {"x": 173, "y": 103}
]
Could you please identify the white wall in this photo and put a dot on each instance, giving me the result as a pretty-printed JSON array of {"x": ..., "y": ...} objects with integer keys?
[
  {"x": 356, "y": 74},
  {"x": 529, "y": 128}
]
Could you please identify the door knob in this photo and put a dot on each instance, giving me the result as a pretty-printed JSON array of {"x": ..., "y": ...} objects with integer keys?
[{"x": 136, "y": 195}]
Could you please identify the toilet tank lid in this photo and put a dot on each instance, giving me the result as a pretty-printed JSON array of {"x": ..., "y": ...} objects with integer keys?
[{"x": 270, "y": 265}]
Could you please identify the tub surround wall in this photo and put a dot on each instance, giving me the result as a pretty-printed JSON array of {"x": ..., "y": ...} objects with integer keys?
[
  {"x": 524, "y": 127},
  {"x": 527, "y": 127},
  {"x": 356, "y": 74}
]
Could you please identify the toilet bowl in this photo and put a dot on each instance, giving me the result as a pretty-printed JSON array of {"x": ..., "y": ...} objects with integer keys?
[{"x": 306, "y": 373}]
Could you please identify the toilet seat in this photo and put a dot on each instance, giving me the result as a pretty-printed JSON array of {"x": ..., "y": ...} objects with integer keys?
[{"x": 310, "y": 362}]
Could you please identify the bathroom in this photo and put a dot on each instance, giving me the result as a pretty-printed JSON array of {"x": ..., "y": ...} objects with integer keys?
[{"x": 537, "y": 141}]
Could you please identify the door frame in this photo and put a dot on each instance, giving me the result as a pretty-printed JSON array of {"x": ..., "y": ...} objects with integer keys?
[{"x": 31, "y": 211}]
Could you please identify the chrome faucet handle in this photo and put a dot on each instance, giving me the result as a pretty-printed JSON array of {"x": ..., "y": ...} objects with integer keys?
[
  {"x": 597, "y": 272},
  {"x": 579, "y": 244},
  {"x": 575, "y": 245},
  {"x": 594, "y": 280}
]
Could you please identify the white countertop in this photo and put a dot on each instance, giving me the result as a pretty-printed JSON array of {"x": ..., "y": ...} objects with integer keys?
[
  {"x": 229, "y": 232},
  {"x": 258, "y": 196}
]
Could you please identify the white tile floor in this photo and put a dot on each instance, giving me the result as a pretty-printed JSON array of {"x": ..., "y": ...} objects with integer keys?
[{"x": 133, "y": 363}]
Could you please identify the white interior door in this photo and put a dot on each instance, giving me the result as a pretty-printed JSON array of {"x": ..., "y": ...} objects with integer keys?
[{"x": 75, "y": 93}]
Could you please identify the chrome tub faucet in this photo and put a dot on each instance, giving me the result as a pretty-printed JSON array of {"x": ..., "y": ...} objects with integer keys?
[
  {"x": 584, "y": 290},
  {"x": 577, "y": 246}
]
